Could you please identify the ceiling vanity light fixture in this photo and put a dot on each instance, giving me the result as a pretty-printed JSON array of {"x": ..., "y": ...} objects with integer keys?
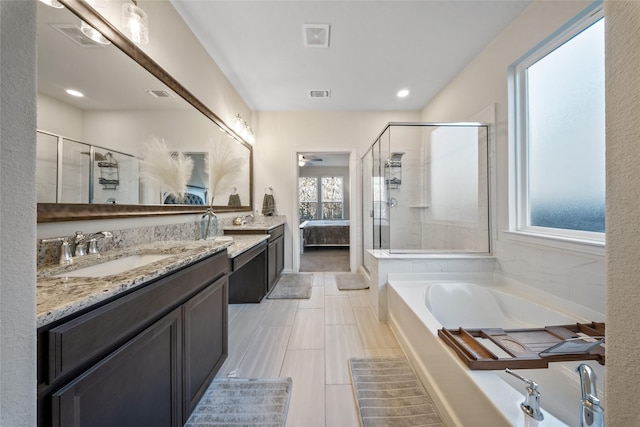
[
  {"x": 135, "y": 23},
  {"x": 53, "y": 3},
  {"x": 93, "y": 34},
  {"x": 243, "y": 129},
  {"x": 403, "y": 93}
]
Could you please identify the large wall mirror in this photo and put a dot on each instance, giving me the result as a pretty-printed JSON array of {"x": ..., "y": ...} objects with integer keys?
[{"x": 93, "y": 151}]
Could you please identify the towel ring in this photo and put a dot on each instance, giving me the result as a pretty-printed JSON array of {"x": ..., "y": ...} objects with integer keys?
[{"x": 268, "y": 190}]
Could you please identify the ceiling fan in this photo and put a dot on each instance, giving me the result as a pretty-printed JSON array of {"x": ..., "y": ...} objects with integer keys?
[{"x": 308, "y": 160}]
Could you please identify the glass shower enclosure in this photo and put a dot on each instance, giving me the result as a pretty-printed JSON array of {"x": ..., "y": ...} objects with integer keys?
[{"x": 425, "y": 189}]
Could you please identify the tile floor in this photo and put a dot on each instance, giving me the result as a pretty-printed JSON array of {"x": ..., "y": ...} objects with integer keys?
[{"x": 310, "y": 341}]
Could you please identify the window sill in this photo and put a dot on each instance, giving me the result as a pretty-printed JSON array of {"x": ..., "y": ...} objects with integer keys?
[{"x": 592, "y": 247}]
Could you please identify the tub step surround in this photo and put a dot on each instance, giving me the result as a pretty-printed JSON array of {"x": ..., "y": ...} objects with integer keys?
[{"x": 382, "y": 264}]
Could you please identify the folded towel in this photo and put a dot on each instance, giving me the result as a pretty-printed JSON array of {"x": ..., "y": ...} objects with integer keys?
[
  {"x": 234, "y": 200},
  {"x": 268, "y": 205}
]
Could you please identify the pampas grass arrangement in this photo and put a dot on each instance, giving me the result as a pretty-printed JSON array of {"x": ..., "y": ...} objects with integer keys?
[
  {"x": 169, "y": 169},
  {"x": 223, "y": 167}
]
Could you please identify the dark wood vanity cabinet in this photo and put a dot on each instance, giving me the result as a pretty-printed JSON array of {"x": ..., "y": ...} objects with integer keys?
[
  {"x": 275, "y": 256},
  {"x": 274, "y": 260},
  {"x": 141, "y": 359},
  {"x": 248, "y": 278}
]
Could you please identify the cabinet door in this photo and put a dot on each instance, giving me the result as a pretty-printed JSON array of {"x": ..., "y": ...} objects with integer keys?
[
  {"x": 137, "y": 385},
  {"x": 279, "y": 256},
  {"x": 205, "y": 341},
  {"x": 272, "y": 265}
]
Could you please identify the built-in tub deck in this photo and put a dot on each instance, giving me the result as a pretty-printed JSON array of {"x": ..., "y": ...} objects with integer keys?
[{"x": 485, "y": 397}]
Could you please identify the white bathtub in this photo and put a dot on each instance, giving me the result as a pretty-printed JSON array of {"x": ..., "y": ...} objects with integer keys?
[{"x": 419, "y": 305}]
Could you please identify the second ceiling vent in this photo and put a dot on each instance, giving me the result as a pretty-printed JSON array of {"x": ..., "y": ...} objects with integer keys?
[{"x": 319, "y": 94}]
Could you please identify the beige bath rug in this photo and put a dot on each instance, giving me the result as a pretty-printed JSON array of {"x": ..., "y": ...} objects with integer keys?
[
  {"x": 246, "y": 402},
  {"x": 293, "y": 286},
  {"x": 388, "y": 393},
  {"x": 350, "y": 282}
]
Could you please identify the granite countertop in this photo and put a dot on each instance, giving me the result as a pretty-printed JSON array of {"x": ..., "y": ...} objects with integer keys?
[
  {"x": 244, "y": 242},
  {"x": 261, "y": 223}
]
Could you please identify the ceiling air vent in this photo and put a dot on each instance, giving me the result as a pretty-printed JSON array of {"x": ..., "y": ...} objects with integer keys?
[
  {"x": 319, "y": 94},
  {"x": 160, "y": 94},
  {"x": 315, "y": 35},
  {"x": 73, "y": 33}
]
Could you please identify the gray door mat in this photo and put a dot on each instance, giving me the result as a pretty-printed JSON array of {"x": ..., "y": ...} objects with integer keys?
[
  {"x": 350, "y": 282},
  {"x": 292, "y": 286}
]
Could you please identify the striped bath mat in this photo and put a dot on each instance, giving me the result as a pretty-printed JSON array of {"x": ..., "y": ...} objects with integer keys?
[
  {"x": 246, "y": 402},
  {"x": 389, "y": 394}
]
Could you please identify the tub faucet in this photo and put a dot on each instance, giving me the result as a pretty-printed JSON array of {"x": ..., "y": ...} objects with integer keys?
[
  {"x": 591, "y": 413},
  {"x": 531, "y": 404}
]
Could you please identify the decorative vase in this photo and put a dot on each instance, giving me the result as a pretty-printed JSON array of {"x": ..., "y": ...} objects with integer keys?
[{"x": 209, "y": 225}]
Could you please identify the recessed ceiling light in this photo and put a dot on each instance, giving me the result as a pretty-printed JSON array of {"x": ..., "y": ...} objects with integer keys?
[
  {"x": 403, "y": 93},
  {"x": 75, "y": 93}
]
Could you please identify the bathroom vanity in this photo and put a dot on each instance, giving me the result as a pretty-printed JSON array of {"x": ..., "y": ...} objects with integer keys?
[
  {"x": 152, "y": 338},
  {"x": 251, "y": 284}
]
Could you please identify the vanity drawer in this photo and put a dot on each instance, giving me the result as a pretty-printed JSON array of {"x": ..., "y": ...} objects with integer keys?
[
  {"x": 90, "y": 336},
  {"x": 276, "y": 232},
  {"x": 240, "y": 260}
]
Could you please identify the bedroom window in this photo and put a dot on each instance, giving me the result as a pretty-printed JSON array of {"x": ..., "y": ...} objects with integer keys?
[
  {"x": 320, "y": 197},
  {"x": 332, "y": 197},
  {"x": 560, "y": 134},
  {"x": 308, "y": 198}
]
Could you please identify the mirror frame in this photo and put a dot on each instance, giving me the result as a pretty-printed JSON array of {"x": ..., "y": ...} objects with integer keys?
[{"x": 56, "y": 212}]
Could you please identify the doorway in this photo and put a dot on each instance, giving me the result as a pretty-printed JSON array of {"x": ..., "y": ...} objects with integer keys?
[{"x": 323, "y": 211}]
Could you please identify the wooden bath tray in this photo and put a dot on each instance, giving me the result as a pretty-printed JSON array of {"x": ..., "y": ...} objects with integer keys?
[{"x": 521, "y": 347}]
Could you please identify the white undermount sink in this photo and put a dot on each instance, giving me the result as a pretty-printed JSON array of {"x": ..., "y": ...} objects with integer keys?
[{"x": 115, "y": 266}]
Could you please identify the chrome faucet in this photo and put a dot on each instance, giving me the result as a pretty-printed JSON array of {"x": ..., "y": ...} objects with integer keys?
[
  {"x": 80, "y": 244},
  {"x": 65, "y": 249},
  {"x": 93, "y": 240},
  {"x": 242, "y": 220},
  {"x": 531, "y": 404},
  {"x": 591, "y": 413}
]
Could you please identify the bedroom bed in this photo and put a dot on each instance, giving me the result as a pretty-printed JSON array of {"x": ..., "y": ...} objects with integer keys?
[{"x": 315, "y": 233}]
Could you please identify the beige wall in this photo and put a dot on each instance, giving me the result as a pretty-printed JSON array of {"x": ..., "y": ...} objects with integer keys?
[
  {"x": 568, "y": 273},
  {"x": 280, "y": 135},
  {"x": 17, "y": 213},
  {"x": 623, "y": 211}
]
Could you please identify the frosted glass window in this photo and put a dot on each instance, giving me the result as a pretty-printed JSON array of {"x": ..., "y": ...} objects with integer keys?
[{"x": 566, "y": 130}]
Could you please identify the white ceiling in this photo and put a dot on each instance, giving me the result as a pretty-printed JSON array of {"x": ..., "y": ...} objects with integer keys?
[
  {"x": 375, "y": 49},
  {"x": 108, "y": 78}
]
